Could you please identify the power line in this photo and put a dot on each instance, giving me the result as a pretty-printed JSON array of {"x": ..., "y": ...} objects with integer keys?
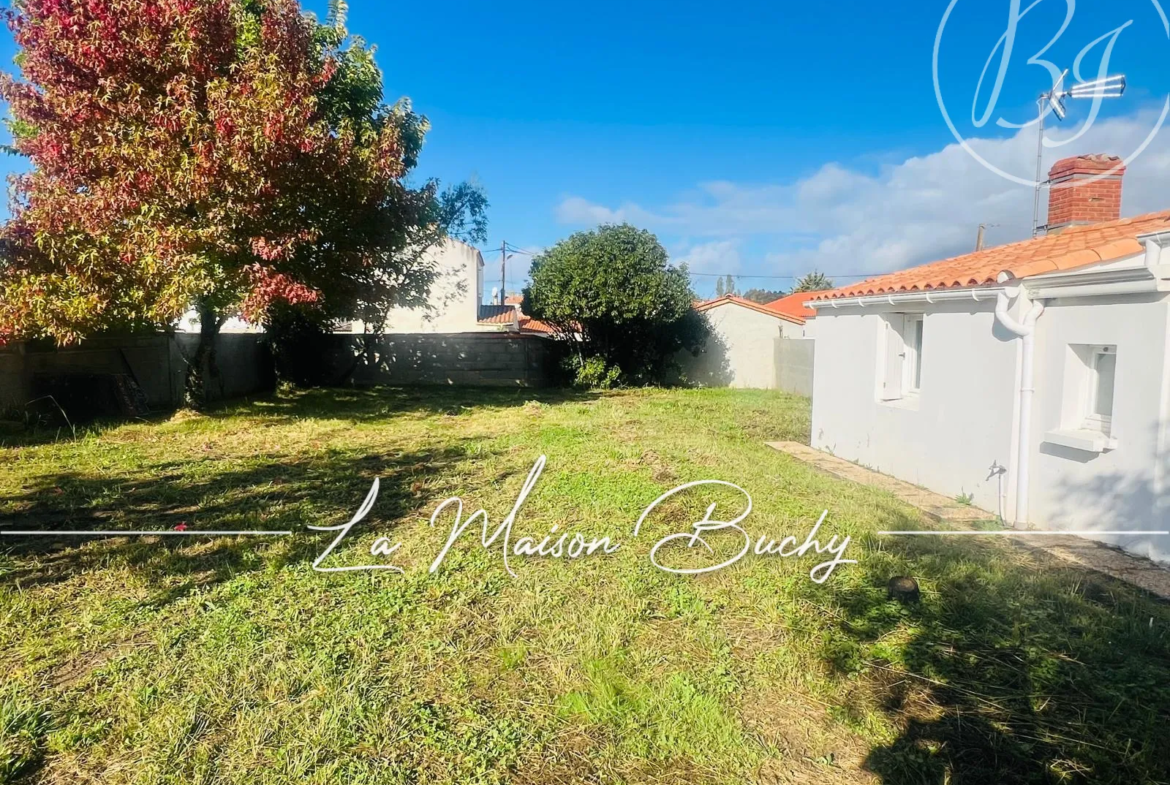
[{"x": 512, "y": 250}]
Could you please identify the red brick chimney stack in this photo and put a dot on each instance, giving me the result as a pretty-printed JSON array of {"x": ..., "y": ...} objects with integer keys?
[{"x": 1075, "y": 198}]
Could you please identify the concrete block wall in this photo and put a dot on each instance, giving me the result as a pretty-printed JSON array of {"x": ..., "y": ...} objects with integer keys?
[
  {"x": 485, "y": 359},
  {"x": 794, "y": 365},
  {"x": 157, "y": 362}
]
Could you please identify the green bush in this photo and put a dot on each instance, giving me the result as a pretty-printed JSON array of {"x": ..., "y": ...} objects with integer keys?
[
  {"x": 613, "y": 292},
  {"x": 591, "y": 373}
]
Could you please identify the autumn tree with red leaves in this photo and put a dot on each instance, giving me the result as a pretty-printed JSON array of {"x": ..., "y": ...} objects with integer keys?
[{"x": 230, "y": 155}]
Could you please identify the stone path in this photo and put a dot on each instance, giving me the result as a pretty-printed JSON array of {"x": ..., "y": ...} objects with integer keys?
[{"x": 1139, "y": 572}]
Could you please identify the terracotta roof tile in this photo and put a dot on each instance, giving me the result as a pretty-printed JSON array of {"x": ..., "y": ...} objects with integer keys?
[
  {"x": 1076, "y": 246},
  {"x": 731, "y": 298},
  {"x": 530, "y": 325},
  {"x": 496, "y": 314},
  {"x": 794, "y": 305}
]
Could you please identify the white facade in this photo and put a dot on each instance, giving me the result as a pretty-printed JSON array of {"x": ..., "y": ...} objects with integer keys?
[
  {"x": 742, "y": 349},
  {"x": 453, "y": 303},
  {"x": 455, "y": 296},
  {"x": 1097, "y": 438}
]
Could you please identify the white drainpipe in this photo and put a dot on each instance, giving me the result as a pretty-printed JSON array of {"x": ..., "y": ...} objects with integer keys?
[{"x": 1026, "y": 330}]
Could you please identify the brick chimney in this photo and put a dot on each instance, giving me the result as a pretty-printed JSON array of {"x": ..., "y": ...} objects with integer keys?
[{"x": 1075, "y": 198}]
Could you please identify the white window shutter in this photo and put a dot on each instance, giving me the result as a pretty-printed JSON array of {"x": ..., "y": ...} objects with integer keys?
[{"x": 895, "y": 348}]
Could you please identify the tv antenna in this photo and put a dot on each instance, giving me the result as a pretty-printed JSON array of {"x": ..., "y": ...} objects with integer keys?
[{"x": 1105, "y": 87}]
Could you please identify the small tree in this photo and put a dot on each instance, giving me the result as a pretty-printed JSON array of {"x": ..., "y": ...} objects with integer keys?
[
  {"x": 720, "y": 290},
  {"x": 729, "y": 285},
  {"x": 613, "y": 294},
  {"x": 813, "y": 282}
]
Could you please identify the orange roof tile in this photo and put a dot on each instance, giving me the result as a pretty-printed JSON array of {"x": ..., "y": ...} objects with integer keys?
[
  {"x": 731, "y": 298},
  {"x": 530, "y": 325},
  {"x": 496, "y": 314},
  {"x": 1076, "y": 246},
  {"x": 794, "y": 305}
]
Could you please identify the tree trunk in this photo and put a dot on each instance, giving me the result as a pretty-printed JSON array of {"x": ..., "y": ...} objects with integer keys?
[{"x": 201, "y": 365}]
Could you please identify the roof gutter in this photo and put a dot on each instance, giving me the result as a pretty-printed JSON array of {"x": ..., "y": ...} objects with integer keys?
[
  {"x": 931, "y": 296},
  {"x": 1149, "y": 274}
]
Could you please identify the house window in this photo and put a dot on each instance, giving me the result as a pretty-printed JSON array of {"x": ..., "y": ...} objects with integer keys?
[
  {"x": 1099, "y": 395},
  {"x": 901, "y": 375}
]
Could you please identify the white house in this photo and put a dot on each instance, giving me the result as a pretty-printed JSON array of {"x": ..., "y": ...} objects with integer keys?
[
  {"x": 742, "y": 349},
  {"x": 455, "y": 303},
  {"x": 1034, "y": 376}
]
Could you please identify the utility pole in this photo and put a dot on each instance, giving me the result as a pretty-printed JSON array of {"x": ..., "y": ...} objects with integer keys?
[{"x": 503, "y": 271}]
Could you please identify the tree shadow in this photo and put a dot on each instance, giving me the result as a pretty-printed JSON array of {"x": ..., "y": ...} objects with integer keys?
[
  {"x": 1015, "y": 667},
  {"x": 388, "y": 403},
  {"x": 281, "y": 496},
  {"x": 709, "y": 367},
  {"x": 1110, "y": 491}
]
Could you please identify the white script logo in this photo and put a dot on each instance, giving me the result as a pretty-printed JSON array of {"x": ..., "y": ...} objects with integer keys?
[
  {"x": 1022, "y": 33},
  {"x": 574, "y": 545}
]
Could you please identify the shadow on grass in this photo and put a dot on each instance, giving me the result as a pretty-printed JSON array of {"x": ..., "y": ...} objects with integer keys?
[
  {"x": 326, "y": 403},
  {"x": 284, "y": 494},
  {"x": 288, "y": 494},
  {"x": 1014, "y": 668},
  {"x": 385, "y": 403}
]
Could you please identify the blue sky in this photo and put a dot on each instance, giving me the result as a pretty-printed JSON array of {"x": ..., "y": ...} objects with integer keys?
[{"x": 756, "y": 138}]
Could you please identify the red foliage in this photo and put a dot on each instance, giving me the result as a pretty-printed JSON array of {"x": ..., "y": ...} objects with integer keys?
[{"x": 179, "y": 153}]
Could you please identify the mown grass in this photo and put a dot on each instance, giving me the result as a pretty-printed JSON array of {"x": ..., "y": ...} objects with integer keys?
[{"x": 185, "y": 660}]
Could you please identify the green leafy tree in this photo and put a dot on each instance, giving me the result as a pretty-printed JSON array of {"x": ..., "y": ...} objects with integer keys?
[
  {"x": 719, "y": 288},
  {"x": 729, "y": 285},
  {"x": 762, "y": 296},
  {"x": 612, "y": 293},
  {"x": 813, "y": 282}
]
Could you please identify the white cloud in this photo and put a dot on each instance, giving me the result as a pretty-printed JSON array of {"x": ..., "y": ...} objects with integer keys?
[
  {"x": 720, "y": 256},
  {"x": 925, "y": 208}
]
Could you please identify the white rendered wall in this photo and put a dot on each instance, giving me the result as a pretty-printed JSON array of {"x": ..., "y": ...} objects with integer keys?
[
  {"x": 959, "y": 423},
  {"x": 1123, "y": 488},
  {"x": 453, "y": 303},
  {"x": 746, "y": 339}
]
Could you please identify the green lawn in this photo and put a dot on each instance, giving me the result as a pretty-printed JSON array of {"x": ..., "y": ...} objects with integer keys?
[{"x": 193, "y": 660}]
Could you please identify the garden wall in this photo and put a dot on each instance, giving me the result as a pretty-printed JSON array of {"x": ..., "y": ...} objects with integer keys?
[
  {"x": 156, "y": 362},
  {"x": 794, "y": 365},
  {"x": 471, "y": 359}
]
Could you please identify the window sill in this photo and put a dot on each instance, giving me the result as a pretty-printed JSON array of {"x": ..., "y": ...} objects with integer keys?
[
  {"x": 908, "y": 401},
  {"x": 1080, "y": 439}
]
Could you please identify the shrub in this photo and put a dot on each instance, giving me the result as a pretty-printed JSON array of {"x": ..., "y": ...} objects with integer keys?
[
  {"x": 591, "y": 373},
  {"x": 613, "y": 292}
]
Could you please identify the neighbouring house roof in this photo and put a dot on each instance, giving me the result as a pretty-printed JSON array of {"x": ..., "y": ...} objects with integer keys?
[
  {"x": 794, "y": 305},
  {"x": 1076, "y": 246},
  {"x": 733, "y": 300},
  {"x": 497, "y": 314},
  {"x": 508, "y": 315},
  {"x": 530, "y": 325},
  {"x": 514, "y": 299}
]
